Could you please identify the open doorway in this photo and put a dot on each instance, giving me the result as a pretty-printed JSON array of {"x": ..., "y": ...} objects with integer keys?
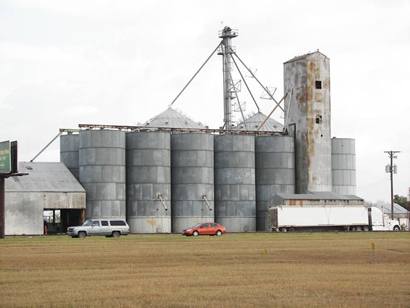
[{"x": 56, "y": 221}]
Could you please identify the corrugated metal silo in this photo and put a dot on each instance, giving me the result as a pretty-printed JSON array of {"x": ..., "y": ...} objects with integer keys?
[
  {"x": 235, "y": 203},
  {"x": 192, "y": 173},
  {"x": 149, "y": 182},
  {"x": 275, "y": 172},
  {"x": 343, "y": 166},
  {"x": 102, "y": 172},
  {"x": 69, "y": 147}
]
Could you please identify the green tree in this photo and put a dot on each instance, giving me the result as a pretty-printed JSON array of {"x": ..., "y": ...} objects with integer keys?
[{"x": 401, "y": 200}]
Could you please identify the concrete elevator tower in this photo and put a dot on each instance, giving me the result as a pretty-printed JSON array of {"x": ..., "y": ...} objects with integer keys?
[{"x": 307, "y": 114}]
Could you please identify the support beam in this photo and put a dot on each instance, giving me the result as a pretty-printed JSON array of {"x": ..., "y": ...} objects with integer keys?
[
  {"x": 196, "y": 73},
  {"x": 47, "y": 145},
  {"x": 246, "y": 84},
  {"x": 268, "y": 116},
  {"x": 263, "y": 87}
]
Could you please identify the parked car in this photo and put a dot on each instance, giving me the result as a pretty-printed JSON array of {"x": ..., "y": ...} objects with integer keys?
[
  {"x": 205, "y": 229},
  {"x": 107, "y": 227}
]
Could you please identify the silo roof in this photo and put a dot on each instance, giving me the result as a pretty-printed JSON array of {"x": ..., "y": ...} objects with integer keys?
[
  {"x": 43, "y": 177},
  {"x": 255, "y": 120},
  {"x": 172, "y": 118}
]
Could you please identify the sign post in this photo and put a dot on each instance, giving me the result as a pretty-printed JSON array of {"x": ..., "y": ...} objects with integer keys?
[
  {"x": 8, "y": 167},
  {"x": 5, "y": 169}
]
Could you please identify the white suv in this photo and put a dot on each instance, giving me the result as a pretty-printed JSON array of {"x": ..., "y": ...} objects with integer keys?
[{"x": 107, "y": 227}]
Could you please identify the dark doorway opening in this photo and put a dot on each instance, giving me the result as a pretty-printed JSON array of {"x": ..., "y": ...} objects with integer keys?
[{"x": 56, "y": 221}]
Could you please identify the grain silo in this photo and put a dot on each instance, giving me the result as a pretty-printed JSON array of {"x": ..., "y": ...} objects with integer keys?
[
  {"x": 149, "y": 182},
  {"x": 235, "y": 203},
  {"x": 102, "y": 172},
  {"x": 275, "y": 172},
  {"x": 192, "y": 174},
  {"x": 307, "y": 114},
  {"x": 344, "y": 166},
  {"x": 69, "y": 147}
]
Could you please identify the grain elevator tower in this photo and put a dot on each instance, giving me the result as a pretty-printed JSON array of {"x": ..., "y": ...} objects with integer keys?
[{"x": 307, "y": 115}]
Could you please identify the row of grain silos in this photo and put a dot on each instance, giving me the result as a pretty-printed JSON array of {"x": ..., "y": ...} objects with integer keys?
[{"x": 164, "y": 182}]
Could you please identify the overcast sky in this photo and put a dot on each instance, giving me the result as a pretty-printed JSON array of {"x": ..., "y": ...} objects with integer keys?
[{"x": 122, "y": 62}]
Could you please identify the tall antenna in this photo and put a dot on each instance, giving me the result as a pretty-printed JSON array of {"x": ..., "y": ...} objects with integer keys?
[{"x": 226, "y": 51}]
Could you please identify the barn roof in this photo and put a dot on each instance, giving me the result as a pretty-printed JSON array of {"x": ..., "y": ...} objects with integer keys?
[{"x": 43, "y": 177}]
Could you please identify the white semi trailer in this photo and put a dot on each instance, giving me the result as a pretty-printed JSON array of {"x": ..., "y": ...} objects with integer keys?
[{"x": 330, "y": 217}]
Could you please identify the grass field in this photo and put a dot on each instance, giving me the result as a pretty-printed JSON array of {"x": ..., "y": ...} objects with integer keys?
[{"x": 236, "y": 270}]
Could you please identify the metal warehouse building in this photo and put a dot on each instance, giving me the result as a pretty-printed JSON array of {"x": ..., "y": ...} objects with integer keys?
[{"x": 48, "y": 186}]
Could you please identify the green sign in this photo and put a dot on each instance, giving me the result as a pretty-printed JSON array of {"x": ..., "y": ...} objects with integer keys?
[{"x": 5, "y": 157}]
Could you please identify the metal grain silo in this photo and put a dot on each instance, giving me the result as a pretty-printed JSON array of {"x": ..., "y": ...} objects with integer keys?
[
  {"x": 275, "y": 172},
  {"x": 102, "y": 172},
  {"x": 192, "y": 174},
  {"x": 149, "y": 182},
  {"x": 235, "y": 203},
  {"x": 343, "y": 166},
  {"x": 69, "y": 147}
]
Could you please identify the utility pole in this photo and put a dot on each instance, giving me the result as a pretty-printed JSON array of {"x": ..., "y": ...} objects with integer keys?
[{"x": 391, "y": 169}]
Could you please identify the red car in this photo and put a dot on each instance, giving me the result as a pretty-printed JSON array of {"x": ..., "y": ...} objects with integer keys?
[{"x": 205, "y": 229}]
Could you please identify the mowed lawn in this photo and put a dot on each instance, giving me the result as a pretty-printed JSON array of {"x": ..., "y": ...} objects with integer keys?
[{"x": 236, "y": 270}]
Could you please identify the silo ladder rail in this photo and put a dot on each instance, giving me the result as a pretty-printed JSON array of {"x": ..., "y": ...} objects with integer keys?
[
  {"x": 206, "y": 202},
  {"x": 161, "y": 199}
]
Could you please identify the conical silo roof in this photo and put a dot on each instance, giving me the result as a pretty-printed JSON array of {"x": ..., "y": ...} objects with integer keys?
[
  {"x": 172, "y": 118},
  {"x": 255, "y": 120}
]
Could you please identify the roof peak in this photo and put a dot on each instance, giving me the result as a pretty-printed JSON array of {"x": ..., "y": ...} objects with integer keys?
[
  {"x": 173, "y": 118},
  {"x": 253, "y": 121},
  {"x": 306, "y": 55}
]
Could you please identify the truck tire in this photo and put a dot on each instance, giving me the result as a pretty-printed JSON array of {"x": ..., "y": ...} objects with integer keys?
[
  {"x": 396, "y": 228},
  {"x": 82, "y": 234},
  {"x": 283, "y": 230}
]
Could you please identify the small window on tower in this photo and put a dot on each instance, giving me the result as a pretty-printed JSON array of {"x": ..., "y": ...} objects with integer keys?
[
  {"x": 318, "y": 84},
  {"x": 318, "y": 119}
]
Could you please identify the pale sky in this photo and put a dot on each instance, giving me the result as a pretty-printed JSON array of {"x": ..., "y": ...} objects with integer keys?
[{"x": 122, "y": 62}]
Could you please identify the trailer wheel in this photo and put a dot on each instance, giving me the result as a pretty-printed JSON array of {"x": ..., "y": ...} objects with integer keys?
[
  {"x": 284, "y": 230},
  {"x": 365, "y": 229},
  {"x": 396, "y": 228}
]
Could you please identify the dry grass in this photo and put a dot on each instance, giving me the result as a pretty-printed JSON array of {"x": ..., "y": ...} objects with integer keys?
[{"x": 237, "y": 270}]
